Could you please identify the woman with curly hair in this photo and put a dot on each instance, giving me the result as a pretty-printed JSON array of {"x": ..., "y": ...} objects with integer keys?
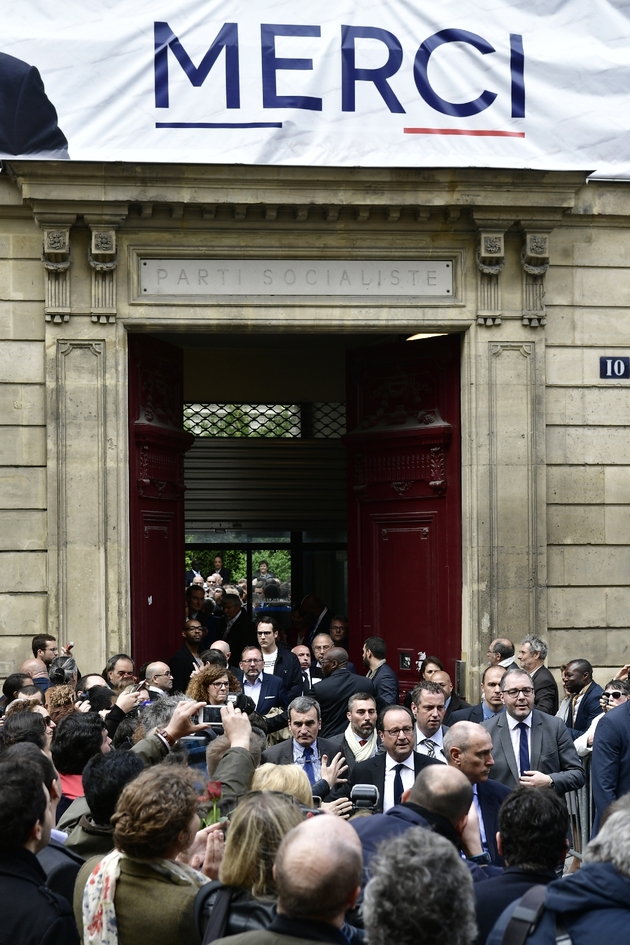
[
  {"x": 141, "y": 893},
  {"x": 61, "y": 701},
  {"x": 212, "y": 684}
]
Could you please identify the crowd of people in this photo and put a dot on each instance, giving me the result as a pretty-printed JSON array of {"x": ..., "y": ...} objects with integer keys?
[{"x": 256, "y": 787}]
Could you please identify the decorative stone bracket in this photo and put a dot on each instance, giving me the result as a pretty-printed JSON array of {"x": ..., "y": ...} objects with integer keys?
[
  {"x": 535, "y": 263},
  {"x": 490, "y": 258},
  {"x": 57, "y": 259},
  {"x": 103, "y": 259}
]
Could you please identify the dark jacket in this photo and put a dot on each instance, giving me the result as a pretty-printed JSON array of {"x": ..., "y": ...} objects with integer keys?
[
  {"x": 245, "y": 912},
  {"x": 455, "y": 705},
  {"x": 286, "y": 931},
  {"x": 592, "y": 904},
  {"x": 272, "y": 692},
  {"x": 242, "y": 633},
  {"x": 610, "y": 770},
  {"x": 473, "y": 713},
  {"x": 588, "y": 710},
  {"x": 333, "y": 693},
  {"x": 493, "y": 897},
  {"x": 282, "y": 754},
  {"x": 385, "y": 682},
  {"x": 545, "y": 691},
  {"x": 400, "y": 818},
  {"x": 288, "y": 669},
  {"x": 491, "y": 795},
  {"x": 373, "y": 772},
  {"x": 342, "y": 745},
  {"x": 61, "y": 867},
  {"x": 31, "y": 914},
  {"x": 181, "y": 664}
]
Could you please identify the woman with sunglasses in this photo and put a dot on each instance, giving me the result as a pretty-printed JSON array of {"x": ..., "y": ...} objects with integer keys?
[{"x": 616, "y": 692}]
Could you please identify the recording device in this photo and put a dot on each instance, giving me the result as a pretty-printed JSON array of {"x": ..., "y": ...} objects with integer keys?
[
  {"x": 364, "y": 797},
  {"x": 209, "y": 715}
]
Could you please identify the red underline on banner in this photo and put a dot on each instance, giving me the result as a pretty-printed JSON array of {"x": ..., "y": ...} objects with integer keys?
[
  {"x": 218, "y": 124},
  {"x": 464, "y": 131}
]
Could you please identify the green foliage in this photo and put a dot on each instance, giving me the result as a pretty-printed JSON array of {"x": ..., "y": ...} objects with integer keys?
[{"x": 279, "y": 562}]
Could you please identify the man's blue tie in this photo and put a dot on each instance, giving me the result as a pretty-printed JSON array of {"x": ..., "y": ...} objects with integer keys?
[
  {"x": 523, "y": 753},
  {"x": 308, "y": 764}
]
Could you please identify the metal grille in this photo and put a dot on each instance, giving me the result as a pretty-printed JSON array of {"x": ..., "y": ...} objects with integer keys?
[
  {"x": 320, "y": 421},
  {"x": 329, "y": 420},
  {"x": 249, "y": 420}
]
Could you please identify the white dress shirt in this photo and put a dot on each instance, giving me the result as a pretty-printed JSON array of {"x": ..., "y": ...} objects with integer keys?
[
  {"x": 253, "y": 689},
  {"x": 298, "y": 758},
  {"x": 515, "y": 735},
  {"x": 408, "y": 775},
  {"x": 438, "y": 740}
]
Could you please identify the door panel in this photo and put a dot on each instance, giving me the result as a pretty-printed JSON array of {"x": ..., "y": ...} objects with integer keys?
[
  {"x": 157, "y": 445},
  {"x": 404, "y": 528}
]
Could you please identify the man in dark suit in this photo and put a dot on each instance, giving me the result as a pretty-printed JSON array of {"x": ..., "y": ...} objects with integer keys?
[
  {"x": 453, "y": 702},
  {"x": 384, "y": 679},
  {"x": 318, "y": 616},
  {"x": 611, "y": 759},
  {"x": 531, "y": 748},
  {"x": 188, "y": 656},
  {"x": 310, "y": 674},
  {"x": 533, "y": 828},
  {"x": 335, "y": 689},
  {"x": 278, "y": 660},
  {"x": 427, "y": 706},
  {"x": 577, "y": 678},
  {"x": 224, "y": 573},
  {"x": 491, "y": 698},
  {"x": 265, "y": 689},
  {"x": 532, "y": 655},
  {"x": 501, "y": 653},
  {"x": 319, "y": 758},
  {"x": 236, "y": 628},
  {"x": 359, "y": 742},
  {"x": 468, "y": 747},
  {"x": 28, "y": 120},
  {"x": 394, "y": 770}
]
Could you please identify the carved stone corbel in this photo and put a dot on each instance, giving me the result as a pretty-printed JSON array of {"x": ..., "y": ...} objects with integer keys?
[
  {"x": 57, "y": 259},
  {"x": 103, "y": 259},
  {"x": 535, "y": 263},
  {"x": 490, "y": 258}
]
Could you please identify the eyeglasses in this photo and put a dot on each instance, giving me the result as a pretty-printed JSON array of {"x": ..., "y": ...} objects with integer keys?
[
  {"x": 394, "y": 732},
  {"x": 252, "y": 661},
  {"x": 513, "y": 693},
  {"x": 613, "y": 695},
  {"x": 220, "y": 685}
]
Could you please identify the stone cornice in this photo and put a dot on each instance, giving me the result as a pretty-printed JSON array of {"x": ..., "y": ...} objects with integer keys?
[{"x": 110, "y": 188}]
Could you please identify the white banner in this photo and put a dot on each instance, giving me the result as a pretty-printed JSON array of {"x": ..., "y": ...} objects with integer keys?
[{"x": 539, "y": 84}]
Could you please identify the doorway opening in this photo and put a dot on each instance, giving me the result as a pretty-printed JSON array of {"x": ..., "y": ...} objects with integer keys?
[{"x": 365, "y": 513}]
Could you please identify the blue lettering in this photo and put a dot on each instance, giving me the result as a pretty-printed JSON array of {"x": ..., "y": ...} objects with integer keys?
[
  {"x": 271, "y": 64},
  {"x": 421, "y": 65},
  {"x": 227, "y": 38},
  {"x": 517, "y": 72},
  {"x": 350, "y": 74}
]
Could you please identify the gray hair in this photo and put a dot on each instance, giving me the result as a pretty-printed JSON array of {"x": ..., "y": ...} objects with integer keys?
[
  {"x": 514, "y": 672},
  {"x": 612, "y": 843},
  {"x": 304, "y": 704},
  {"x": 420, "y": 893},
  {"x": 536, "y": 645},
  {"x": 158, "y": 714},
  {"x": 462, "y": 735}
]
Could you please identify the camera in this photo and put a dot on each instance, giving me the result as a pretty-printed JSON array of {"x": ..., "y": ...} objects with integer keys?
[
  {"x": 209, "y": 715},
  {"x": 364, "y": 797}
]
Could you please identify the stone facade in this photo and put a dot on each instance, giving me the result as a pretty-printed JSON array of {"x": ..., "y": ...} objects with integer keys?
[{"x": 541, "y": 291}]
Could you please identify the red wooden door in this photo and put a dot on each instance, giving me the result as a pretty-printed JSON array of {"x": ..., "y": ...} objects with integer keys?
[
  {"x": 404, "y": 501},
  {"x": 157, "y": 445}
]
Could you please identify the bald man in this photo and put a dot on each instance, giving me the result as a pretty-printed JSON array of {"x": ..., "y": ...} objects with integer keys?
[
  {"x": 335, "y": 689},
  {"x": 37, "y": 670},
  {"x": 159, "y": 680},
  {"x": 318, "y": 876}
]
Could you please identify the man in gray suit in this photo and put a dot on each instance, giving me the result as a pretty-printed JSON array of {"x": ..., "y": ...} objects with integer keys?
[
  {"x": 529, "y": 747},
  {"x": 319, "y": 758}
]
